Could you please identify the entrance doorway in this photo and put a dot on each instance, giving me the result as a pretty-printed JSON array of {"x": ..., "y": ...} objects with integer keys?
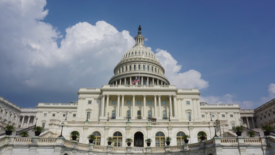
[{"x": 138, "y": 139}]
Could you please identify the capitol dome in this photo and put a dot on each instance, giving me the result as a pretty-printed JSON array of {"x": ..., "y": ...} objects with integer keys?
[{"x": 139, "y": 62}]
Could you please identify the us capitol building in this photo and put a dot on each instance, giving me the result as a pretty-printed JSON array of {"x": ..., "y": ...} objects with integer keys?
[
  {"x": 139, "y": 111},
  {"x": 138, "y": 103}
]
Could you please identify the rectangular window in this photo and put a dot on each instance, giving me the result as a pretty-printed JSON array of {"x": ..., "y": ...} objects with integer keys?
[
  {"x": 89, "y": 102},
  {"x": 187, "y": 102},
  {"x": 45, "y": 114},
  {"x": 202, "y": 115},
  {"x": 128, "y": 102},
  {"x": 231, "y": 115},
  {"x": 143, "y": 67},
  {"x": 138, "y": 102},
  {"x": 53, "y": 115},
  {"x": 149, "y": 102},
  {"x": 114, "y": 102},
  {"x": 189, "y": 116},
  {"x": 43, "y": 125},
  {"x": 163, "y": 102},
  {"x": 88, "y": 115},
  {"x": 223, "y": 115},
  {"x": 74, "y": 115},
  {"x": 148, "y": 68}
]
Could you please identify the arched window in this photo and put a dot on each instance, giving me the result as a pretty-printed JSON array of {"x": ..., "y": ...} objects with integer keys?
[
  {"x": 149, "y": 114},
  {"x": 180, "y": 140},
  {"x": 199, "y": 137},
  {"x": 160, "y": 139},
  {"x": 164, "y": 114},
  {"x": 77, "y": 139},
  {"x": 139, "y": 114},
  {"x": 117, "y": 139},
  {"x": 97, "y": 138},
  {"x": 113, "y": 114}
]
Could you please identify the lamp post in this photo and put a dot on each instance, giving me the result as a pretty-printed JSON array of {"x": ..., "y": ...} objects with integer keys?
[
  {"x": 211, "y": 116},
  {"x": 128, "y": 116},
  {"x": 36, "y": 121},
  {"x": 108, "y": 116},
  {"x": 169, "y": 117},
  {"x": 62, "y": 124},
  {"x": 214, "y": 124}
]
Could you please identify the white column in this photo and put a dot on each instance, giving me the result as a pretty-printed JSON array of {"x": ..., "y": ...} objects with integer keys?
[
  {"x": 133, "y": 108},
  {"x": 158, "y": 82},
  {"x": 102, "y": 105},
  {"x": 144, "y": 106},
  {"x": 124, "y": 81},
  {"x": 28, "y": 121},
  {"x": 142, "y": 80},
  {"x": 119, "y": 81},
  {"x": 247, "y": 122},
  {"x": 153, "y": 81},
  {"x": 147, "y": 82},
  {"x": 23, "y": 119},
  {"x": 199, "y": 108},
  {"x": 159, "y": 106},
  {"x": 155, "y": 106},
  {"x": 175, "y": 107},
  {"x": 193, "y": 109},
  {"x": 122, "y": 106},
  {"x": 170, "y": 106},
  {"x": 107, "y": 106},
  {"x": 118, "y": 106},
  {"x": 116, "y": 82},
  {"x": 130, "y": 80}
]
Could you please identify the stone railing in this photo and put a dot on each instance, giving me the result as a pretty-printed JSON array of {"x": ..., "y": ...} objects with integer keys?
[
  {"x": 220, "y": 105},
  {"x": 74, "y": 147}
]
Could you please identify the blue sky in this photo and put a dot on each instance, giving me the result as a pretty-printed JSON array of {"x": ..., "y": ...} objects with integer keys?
[{"x": 230, "y": 44}]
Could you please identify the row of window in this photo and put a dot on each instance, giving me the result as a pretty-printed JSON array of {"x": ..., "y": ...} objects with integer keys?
[
  {"x": 53, "y": 115},
  {"x": 267, "y": 115},
  {"x": 149, "y": 102},
  {"x": 159, "y": 139},
  {"x": 138, "y": 67},
  {"x": 139, "y": 53},
  {"x": 223, "y": 115}
]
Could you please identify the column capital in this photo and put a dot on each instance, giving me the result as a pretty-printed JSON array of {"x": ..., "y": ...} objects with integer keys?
[
  {"x": 174, "y": 95},
  {"x": 144, "y": 95},
  {"x": 159, "y": 95},
  {"x": 122, "y": 95},
  {"x": 103, "y": 95},
  {"x": 118, "y": 95},
  {"x": 133, "y": 95}
]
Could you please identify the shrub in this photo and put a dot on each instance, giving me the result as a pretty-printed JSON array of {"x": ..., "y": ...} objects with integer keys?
[
  {"x": 129, "y": 140},
  {"x": 149, "y": 140},
  {"x": 202, "y": 134},
  {"x": 168, "y": 139},
  {"x": 185, "y": 136},
  {"x": 24, "y": 134},
  {"x": 110, "y": 139},
  {"x": 38, "y": 128},
  {"x": 251, "y": 133},
  {"x": 238, "y": 129},
  {"x": 75, "y": 133},
  {"x": 267, "y": 128},
  {"x": 9, "y": 128},
  {"x": 91, "y": 137}
]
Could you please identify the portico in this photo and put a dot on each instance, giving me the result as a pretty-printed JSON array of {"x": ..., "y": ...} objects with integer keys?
[{"x": 139, "y": 106}]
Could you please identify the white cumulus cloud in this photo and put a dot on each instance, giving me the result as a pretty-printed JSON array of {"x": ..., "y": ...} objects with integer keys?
[
  {"x": 188, "y": 79},
  {"x": 229, "y": 99}
]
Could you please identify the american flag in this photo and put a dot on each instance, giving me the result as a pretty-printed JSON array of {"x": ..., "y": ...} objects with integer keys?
[{"x": 136, "y": 80}]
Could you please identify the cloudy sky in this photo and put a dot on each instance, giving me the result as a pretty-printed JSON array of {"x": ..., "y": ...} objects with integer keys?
[{"x": 49, "y": 49}]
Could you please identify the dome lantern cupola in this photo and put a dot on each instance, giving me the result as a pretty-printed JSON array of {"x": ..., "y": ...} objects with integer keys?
[{"x": 139, "y": 38}]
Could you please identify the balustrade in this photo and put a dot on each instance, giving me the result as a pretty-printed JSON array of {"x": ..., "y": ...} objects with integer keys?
[{"x": 60, "y": 142}]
